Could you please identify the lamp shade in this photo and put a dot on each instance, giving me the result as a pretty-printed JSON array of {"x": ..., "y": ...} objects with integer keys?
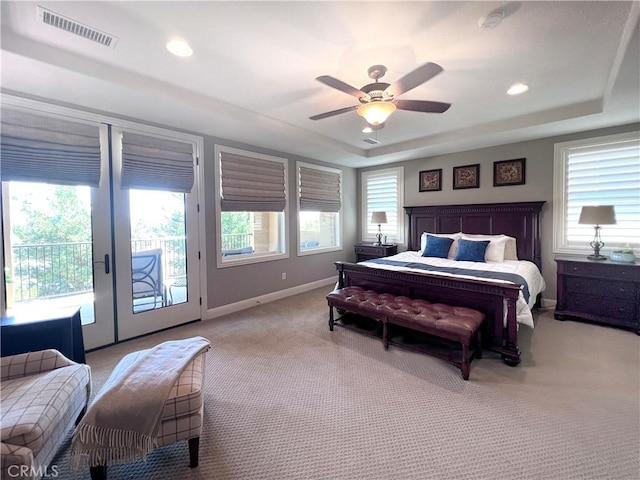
[
  {"x": 597, "y": 215},
  {"x": 376, "y": 113},
  {"x": 379, "y": 217}
]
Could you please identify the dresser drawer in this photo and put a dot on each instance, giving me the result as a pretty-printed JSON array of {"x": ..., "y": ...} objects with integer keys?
[
  {"x": 600, "y": 288},
  {"x": 370, "y": 251},
  {"x": 618, "y": 310},
  {"x": 601, "y": 270}
]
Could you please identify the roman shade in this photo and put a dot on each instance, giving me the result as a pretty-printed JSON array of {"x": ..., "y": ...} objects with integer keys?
[
  {"x": 251, "y": 184},
  {"x": 153, "y": 163},
  {"x": 319, "y": 190},
  {"x": 40, "y": 148}
]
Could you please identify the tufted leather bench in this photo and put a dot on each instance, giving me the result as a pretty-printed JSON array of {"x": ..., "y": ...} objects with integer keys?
[{"x": 458, "y": 324}]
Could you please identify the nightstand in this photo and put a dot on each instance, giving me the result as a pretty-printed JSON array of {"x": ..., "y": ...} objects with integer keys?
[
  {"x": 367, "y": 251},
  {"x": 600, "y": 291}
]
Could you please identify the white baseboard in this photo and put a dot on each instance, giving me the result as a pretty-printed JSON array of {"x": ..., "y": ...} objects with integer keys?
[
  {"x": 269, "y": 297},
  {"x": 548, "y": 303}
]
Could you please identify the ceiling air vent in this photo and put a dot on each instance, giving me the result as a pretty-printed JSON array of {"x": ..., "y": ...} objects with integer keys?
[
  {"x": 371, "y": 141},
  {"x": 71, "y": 26}
]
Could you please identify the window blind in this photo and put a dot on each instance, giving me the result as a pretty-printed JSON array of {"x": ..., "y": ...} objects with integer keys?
[
  {"x": 152, "y": 163},
  {"x": 40, "y": 148},
  {"x": 604, "y": 175},
  {"x": 382, "y": 194},
  {"x": 251, "y": 184},
  {"x": 319, "y": 190}
]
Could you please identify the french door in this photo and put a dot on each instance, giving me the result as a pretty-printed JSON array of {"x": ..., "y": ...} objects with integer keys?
[
  {"x": 155, "y": 248},
  {"x": 125, "y": 251}
]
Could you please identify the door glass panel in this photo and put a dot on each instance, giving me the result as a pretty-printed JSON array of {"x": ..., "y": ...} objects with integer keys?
[
  {"x": 158, "y": 249},
  {"x": 48, "y": 248}
]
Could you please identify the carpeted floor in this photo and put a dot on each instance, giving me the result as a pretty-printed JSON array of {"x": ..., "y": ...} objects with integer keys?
[{"x": 287, "y": 399}]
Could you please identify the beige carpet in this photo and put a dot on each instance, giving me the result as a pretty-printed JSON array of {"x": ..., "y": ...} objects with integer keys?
[{"x": 287, "y": 399}]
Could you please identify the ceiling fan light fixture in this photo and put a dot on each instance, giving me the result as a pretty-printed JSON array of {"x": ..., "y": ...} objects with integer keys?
[{"x": 377, "y": 112}]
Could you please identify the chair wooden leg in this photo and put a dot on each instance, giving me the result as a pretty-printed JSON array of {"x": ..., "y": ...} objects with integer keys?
[
  {"x": 99, "y": 472},
  {"x": 194, "y": 447}
]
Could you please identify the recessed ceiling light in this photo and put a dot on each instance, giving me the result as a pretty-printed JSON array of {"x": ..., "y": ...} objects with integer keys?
[
  {"x": 179, "y": 47},
  {"x": 517, "y": 88}
]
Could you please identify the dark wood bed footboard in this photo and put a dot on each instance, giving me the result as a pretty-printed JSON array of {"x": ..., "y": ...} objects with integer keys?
[{"x": 485, "y": 297}]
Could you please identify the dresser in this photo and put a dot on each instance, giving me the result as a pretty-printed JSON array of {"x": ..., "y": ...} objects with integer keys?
[
  {"x": 60, "y": 329},
  {"x": 367, "y": 251},
  {"x": 599, "y": 291}
]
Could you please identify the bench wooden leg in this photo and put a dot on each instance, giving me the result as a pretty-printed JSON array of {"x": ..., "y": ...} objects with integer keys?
[
  {"x": 479, "y": 343},
  {"x": 385, "y": 334},
  {"x": 194, "y": 448},
  {"x": 464, "y": 366},
  {"x": 98, "y": 473},
  {"x": 331, "y": 321}
]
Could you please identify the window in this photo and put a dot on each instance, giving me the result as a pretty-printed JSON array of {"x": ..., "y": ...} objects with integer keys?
[
  {"x": 382, "y": 191},
  {"x": 597, "y": 171},
  {"x": 319, "y": 205},
  {"x": 251, "y": 211}
]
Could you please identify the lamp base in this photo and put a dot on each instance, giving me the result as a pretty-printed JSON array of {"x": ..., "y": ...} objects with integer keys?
[{"x": 597, "y": 257}]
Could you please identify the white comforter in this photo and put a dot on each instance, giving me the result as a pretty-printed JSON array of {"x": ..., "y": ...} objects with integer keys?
[{"x": 527, "y": 270}]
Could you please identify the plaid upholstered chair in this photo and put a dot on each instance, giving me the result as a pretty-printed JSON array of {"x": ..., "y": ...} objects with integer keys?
[
  {"x": 43, "y": 395},
  {"x": 181, "y": 417}
]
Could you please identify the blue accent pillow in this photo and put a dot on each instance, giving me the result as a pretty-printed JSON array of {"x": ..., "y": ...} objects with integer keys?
[
  {"x": 470, "y": 251},
  {"x": 437, "y": 247}
]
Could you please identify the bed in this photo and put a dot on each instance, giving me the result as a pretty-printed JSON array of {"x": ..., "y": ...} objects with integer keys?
[{"x": 501, "y": 301}]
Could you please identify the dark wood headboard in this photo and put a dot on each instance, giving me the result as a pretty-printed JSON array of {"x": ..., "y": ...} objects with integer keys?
[{"x": 519, "y": 220}]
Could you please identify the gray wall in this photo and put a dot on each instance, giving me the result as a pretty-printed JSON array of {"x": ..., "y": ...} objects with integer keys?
[
  {"x": 539, "y": 183},
  {"x": 234, "y": 284}
]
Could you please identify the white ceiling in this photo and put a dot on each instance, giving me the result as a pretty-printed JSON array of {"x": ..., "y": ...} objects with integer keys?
[{"x": 252, "y": 76}]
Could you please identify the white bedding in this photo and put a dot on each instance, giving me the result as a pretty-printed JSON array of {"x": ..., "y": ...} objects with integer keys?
[{"x": 527, "y": 270}]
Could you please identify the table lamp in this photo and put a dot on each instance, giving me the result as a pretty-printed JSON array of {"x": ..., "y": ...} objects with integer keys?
[
  {"x": 379, "y": 218},
  {"x": 597, "y": 215}
]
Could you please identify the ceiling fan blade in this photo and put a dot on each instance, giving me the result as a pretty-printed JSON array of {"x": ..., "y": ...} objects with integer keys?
[
  {"x": 414, "y": 78},
  {"x": 422, "y": 106},
  {"x": 340, "y": 85},
  {"x": 333, "y": 113}
]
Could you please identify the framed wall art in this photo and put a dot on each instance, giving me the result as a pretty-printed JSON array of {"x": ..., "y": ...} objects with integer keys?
[
  {"x": 467, "y": 176},
  {"x": 509, "y": 172},
  {"x": 431, "y": 180}
]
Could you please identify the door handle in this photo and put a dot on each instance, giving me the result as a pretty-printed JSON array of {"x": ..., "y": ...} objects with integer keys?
[{"x": 107, "y": 268}]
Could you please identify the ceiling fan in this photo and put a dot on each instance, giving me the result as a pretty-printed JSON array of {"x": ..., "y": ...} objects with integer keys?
[{"x": 379, "y": 100}]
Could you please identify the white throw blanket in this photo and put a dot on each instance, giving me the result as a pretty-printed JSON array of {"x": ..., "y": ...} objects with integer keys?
[{"x": 123, "y": 420}]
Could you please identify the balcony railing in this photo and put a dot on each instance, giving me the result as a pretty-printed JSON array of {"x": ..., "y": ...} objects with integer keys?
[
  {"x": 237, "y": 241},
  {"x": 55, "y": 269}
]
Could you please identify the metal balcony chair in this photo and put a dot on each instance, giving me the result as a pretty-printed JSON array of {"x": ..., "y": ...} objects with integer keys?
[{"x": 147, "y": 282}]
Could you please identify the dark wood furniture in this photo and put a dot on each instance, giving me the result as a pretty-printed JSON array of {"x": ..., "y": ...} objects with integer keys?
[
  {"x": 367, "y": 251},
  {"x": 603, "y": 291},
  {"x": 455, "y": 324},
  {"x": 519, "y": 220},
  {"x": 60, "y": 329}
]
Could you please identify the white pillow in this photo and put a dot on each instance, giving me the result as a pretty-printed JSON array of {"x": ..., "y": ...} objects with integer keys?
[
  {"x": 454, "y": 246},
  {"x": 510, "y": 249},
  {"x": 495, "y": 249}
]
